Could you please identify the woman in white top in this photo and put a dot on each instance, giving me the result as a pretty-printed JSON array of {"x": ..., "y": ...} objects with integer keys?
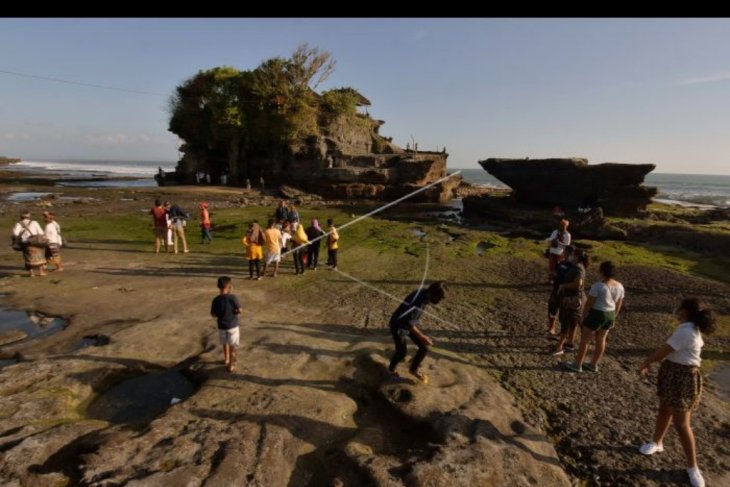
[
  {"x": 53, "y": 234},
  {"x": 559, "y": 239},
  {"x": 33, "y": 256},
  {"x": 604, "y": 304},
  {"x": 679, "y": 385}
]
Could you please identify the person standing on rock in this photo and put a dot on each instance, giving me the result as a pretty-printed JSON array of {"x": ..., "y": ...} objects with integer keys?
[
  {"x": 572, "y": 298},
  {"x": 293, "y": 217},
  {"x": 53, "y": 234},
  {"x": 554, "y": 300},
  {"x": 205, "y": 224},
  {"x": 159, "y": 221},
  {"x": 226, "y": 309},
  {"x": 333, "y": 239},
  {"x": 272, "y": 247},
  {"x": 261, "y": 182},
  {"x": 253, "y": 241},
  {"x": 33, "y": 255},
  {"x": 559, "y": 239},
  {"x": 604, "y": 304},
  {"x": 299, "y": 251},
  {"x": 178, "y": 217},
  {"x": 281, "y": 213},
  {"x": 314, "y": 234},
  {"x": 405, "y": 322},
  {"x": 679, "y": 384}
]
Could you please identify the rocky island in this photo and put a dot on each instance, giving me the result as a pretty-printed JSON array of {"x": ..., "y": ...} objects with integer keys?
[{"x": 268, "y": 123}]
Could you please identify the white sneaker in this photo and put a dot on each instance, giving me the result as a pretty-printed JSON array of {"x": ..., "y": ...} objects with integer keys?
[
  {"x": 651, "y": 448},
  {"x": 695, "y": 477}
]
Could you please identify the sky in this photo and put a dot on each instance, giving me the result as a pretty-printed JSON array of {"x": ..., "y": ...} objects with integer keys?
[{"x": 611, "y": 90}]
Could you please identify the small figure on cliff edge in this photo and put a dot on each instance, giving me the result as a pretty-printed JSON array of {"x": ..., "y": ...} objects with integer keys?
[
  {"x": 261, "y": 182},
  {"x": 405, "y": 322}
]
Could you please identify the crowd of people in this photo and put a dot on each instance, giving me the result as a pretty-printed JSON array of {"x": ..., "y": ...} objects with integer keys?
[
  {"x": 679, "y": 384},
  {"x": 285, "y": 234}
]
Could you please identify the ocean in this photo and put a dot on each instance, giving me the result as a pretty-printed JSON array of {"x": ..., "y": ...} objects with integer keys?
[
  {"x": 686, "y": 189},
  {"x": 129, "y": 173}
]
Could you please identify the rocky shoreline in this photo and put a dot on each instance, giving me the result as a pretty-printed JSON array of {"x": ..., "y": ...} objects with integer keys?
[{"x": 310, "y": 403}]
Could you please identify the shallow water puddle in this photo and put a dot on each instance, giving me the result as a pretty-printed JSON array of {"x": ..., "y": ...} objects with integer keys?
[
  {"x": 29, "y": 196},
  {"x": 141, "y": 398},
  {"x": 19, "y": 326}
]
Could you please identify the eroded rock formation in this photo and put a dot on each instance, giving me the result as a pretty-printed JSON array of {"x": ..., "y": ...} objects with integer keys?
[
  {"x": 349, "y": 160},
  {"x": 571, "y": 183}
]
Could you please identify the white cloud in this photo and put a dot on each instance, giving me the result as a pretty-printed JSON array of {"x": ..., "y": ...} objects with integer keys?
[
  {"x": 16, "y": 136},
  {"x": 705, "y": 79}
]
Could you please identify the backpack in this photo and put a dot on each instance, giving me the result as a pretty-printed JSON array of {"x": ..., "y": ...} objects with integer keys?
[{"x": 17, "y": 243}]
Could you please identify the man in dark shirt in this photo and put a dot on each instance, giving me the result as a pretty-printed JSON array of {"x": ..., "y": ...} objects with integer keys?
[
  {"x": 405, "y": 322},
  {"x": 226, "y": 308}
]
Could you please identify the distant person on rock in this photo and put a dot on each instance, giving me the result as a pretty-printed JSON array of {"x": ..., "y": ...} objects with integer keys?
[
  {"x": 282, "y": 212},
  {"x": 293, "y": 217},
  {"x": 679, "y": 384},
  {"x": 253, "y": 241},
  {"x": 55, "y": 242},
  {"x": 603, "y": 305},
  {"x": 554, "y": 300},
  {"x": 168, "y": 219},
  {"x": 572, "y": 299},
  {"x": 261, "y": 182},
  {"x": 272, "y": 247},
  {"x": 205, "y": 224},
  {"x": 248, "y": 185},
  {"x": 178, "y": 217},
  {"x": 226, "y": 309},
  {"x": 314, "y": 234},
  {"x": 24, "y": 232},
  {"x": 405, "y": 322},
  {"x": 159, "y": 222},
  {"x": 559, "y": 239},
  {"x": 333, "y": 239}
]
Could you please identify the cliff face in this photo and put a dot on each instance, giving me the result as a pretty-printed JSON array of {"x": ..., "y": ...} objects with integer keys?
[
  {"x": 348, "y": 160},
  {"x": 571, "y": 183}
]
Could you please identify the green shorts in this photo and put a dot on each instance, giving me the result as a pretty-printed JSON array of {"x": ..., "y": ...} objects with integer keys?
[{"x": 600, "y": 320}]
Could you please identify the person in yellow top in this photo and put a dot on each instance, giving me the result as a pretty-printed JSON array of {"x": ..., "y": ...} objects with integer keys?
[
  {"x": 253, "y": 241},
  {"x": 272, "y": 247},
  {"x": 300, "y": 249},
  {"x": 333, "y": 239}
]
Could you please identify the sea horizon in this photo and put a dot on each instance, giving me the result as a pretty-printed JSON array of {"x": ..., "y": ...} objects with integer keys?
[{"x": 682, "y": 188}]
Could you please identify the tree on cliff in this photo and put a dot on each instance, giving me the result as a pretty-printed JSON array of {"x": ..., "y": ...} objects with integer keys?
[{"x": 235, "y": 113}]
